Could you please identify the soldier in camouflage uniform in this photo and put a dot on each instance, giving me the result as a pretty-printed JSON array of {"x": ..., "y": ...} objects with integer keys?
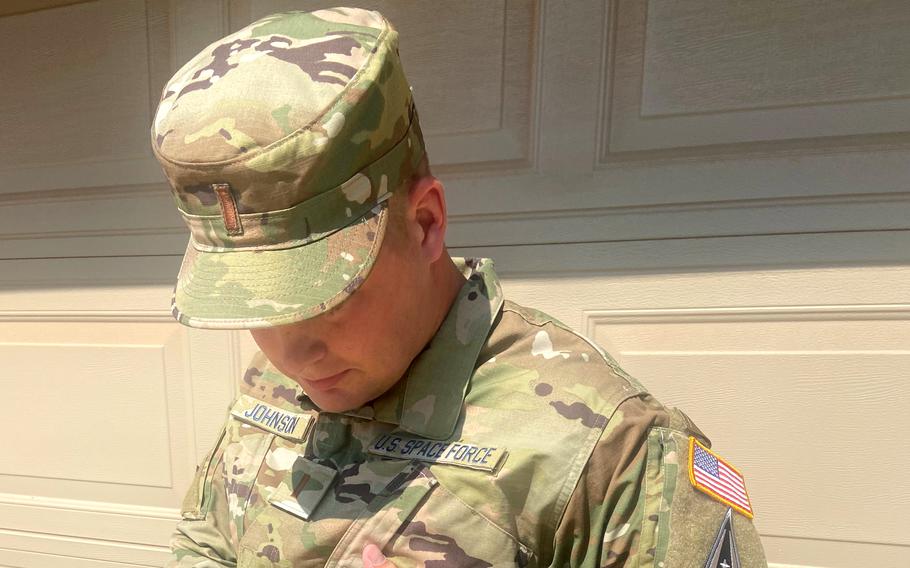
[{"x": 399, "y": 401}]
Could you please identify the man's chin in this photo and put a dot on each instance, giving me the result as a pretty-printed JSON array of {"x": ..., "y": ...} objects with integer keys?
[
  {"x": 336, "y": 401},
  {"x": 332, "y": 406}
]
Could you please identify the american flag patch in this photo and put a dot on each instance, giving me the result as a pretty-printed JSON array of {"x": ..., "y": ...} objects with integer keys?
[{"x": 709, "y": 473}]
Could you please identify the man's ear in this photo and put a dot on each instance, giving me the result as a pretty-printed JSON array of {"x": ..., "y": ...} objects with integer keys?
[{"x": 427, "y": 214}]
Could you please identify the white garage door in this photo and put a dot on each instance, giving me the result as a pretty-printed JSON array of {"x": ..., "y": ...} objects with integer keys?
[{"x": 715, "y": 191}]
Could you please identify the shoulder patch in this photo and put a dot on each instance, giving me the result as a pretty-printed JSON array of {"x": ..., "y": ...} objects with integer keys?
[
  {"x": 463, "y": 454},
  {"x": 712, "y": 475},
  {"x": 724, "y": 554},
  {"x": 290, "y": 425}
]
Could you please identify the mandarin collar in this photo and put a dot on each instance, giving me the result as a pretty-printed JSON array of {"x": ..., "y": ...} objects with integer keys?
[{"x": 428, "y": 400}]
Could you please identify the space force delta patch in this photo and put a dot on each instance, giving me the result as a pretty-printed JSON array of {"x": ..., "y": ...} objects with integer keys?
[
  {"x": 462, "y": 454},
  {"x": 290, "y": 425},
  {"x": 710, "y": 474}
]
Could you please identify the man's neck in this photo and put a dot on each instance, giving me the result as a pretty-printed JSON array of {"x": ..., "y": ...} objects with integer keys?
[{"x": 448, "y": 283}]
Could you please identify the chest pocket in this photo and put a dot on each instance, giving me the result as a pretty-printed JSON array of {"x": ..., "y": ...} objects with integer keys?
[{"x": 413, "y": 518}]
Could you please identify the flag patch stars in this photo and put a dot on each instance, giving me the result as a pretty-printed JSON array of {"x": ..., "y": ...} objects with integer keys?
[{"x": 710, "y": 474}]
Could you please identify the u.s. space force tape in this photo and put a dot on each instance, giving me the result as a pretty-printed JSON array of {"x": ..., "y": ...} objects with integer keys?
[
  {"x": 287, "y": 424},
  {"x": 462, "y": 454}
]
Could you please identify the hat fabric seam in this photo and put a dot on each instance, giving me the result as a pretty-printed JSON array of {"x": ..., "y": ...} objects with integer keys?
[
  {"x": 253, "y": 215},
  {"x": 297, "y": 243},
  {"x": 281, "y": 277}
]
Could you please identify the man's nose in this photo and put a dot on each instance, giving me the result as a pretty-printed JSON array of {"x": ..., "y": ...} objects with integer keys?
[
  {"x": 300, "y": 348},
  {"x": 305, "y": 351}
]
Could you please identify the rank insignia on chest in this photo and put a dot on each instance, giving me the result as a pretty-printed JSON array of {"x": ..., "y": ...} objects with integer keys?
[
  {"x": 710, "y": 474},
  {"x": 287, "y": 424},
  {"x": 460, "y": 453},
  {"x": 303, "y": 488}
]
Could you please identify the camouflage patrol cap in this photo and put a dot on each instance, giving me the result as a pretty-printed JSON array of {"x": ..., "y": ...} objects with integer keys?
[{"x": 281, "y": 143}]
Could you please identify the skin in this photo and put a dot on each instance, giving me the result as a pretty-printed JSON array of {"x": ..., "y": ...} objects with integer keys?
[
  {"x": 372, "y": 338},
  {"x": 354, "y": 353},
  {"x": 372, "y": 557}
]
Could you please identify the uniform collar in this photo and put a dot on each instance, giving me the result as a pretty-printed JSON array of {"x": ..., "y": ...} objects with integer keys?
[{"x": 428, "y": 400}]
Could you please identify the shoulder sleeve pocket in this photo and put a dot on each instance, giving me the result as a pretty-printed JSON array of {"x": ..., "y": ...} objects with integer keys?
[
  {"x": 197, "y": 501},
  {"x": 681, "y": 523}
]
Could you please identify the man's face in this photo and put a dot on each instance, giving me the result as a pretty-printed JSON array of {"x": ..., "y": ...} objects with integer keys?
[{"x": 354, "y": 353}]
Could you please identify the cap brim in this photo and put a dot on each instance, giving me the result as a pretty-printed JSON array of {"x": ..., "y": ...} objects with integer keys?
[{"x": 248, "y": 289}]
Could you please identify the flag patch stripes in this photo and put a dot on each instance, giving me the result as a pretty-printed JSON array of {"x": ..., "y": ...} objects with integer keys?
[{"x": 710, "y": 474}]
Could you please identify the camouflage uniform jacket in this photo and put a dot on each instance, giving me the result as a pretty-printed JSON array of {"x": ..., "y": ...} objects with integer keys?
[{"x": 512, "y": 440}]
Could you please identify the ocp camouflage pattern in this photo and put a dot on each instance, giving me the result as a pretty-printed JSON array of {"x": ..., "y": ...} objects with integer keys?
[
  {"x": 594, "y": 473},
  {"x": 308, "y": 119}
]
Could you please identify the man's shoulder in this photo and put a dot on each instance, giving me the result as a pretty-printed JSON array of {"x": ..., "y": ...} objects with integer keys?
[{"x": 573, "y": 373}]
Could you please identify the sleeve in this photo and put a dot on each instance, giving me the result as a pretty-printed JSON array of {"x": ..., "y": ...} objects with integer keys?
[
  {"x": 203, "y": 536},
  {"x": 634, "y": 504}
]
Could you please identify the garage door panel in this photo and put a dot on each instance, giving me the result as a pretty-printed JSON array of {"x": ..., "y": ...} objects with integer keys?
[
  {"x": 693, "y": 74},
  {"x": 99, "y": 402},
  {"x": 806, "y": 429},
  {"x": 79, "y": 86},
  {"x": 112, "y": 403}
]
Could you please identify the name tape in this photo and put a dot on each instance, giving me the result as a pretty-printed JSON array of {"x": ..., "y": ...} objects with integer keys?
[
  {"x": 463, "y": 454},
  {"x": 290, "y": 425}
]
